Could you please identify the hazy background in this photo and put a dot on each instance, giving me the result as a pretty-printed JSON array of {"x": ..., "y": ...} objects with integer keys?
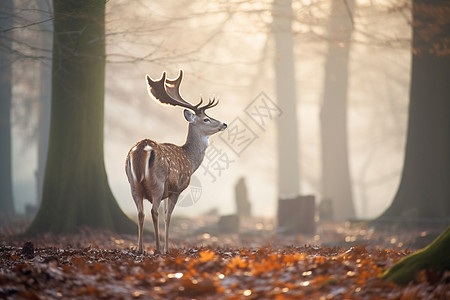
[{"x": 227, "y": 51}]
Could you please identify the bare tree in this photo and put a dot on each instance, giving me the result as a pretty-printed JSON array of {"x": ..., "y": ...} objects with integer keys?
[
  {"x": 336, "y": 182},
  {"x": 6, "y": 193},
  {"x": 288, "y": 147},
  {"x": 76, "y": 191},
  {"x": 44, "y": 100}
]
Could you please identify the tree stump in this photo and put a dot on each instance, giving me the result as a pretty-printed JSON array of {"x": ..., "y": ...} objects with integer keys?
[
  {"x": 296, "y": 215},
  {"x": 228, "y": 224},
  {"x": 326, "y": 211}
]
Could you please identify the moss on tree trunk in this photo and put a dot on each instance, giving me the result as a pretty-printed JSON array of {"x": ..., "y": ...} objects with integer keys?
[
  {"x": 76, "y": 190},
  {"x": 435, "y": 256}
]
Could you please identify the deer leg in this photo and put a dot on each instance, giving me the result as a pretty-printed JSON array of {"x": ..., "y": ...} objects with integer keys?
[
  {"x": 141, "y": 217},
  {"x": 170, "y": 205},
  {"x": 156, "y": 225},
  {"x": 155, "y": 199},
  {"x": 138, "y": 200}
]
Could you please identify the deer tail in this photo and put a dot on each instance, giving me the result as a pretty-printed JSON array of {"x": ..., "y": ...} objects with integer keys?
[{"x": 139, "y": 162}]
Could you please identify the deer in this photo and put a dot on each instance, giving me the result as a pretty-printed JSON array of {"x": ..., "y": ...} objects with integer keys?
[{"x": 161, "y": 171}]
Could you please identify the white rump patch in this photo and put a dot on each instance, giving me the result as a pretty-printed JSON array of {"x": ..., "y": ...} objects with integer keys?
[
  {"x": 149, "y": 154},
  {"x": 132, "y": 167}
]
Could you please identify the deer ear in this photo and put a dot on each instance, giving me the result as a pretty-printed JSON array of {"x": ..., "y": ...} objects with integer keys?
[{"x": 189, "y": 116}]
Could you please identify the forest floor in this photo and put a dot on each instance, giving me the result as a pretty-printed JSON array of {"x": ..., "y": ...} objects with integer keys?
[{"x": 340, "y": 261}]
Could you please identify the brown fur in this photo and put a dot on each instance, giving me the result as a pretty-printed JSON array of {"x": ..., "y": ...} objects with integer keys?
[{"x": 166, "y": 161}]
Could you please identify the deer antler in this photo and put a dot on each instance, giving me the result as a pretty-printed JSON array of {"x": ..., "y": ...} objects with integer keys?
[
  {"x": 168, "y": 91},
  {"x": 211, "y": 103}
]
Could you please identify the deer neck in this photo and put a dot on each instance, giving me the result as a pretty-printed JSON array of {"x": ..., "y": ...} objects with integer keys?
[{"x": 195, "y": 147}]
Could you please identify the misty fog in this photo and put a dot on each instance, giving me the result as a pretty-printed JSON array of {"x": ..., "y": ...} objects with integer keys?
[{"x": 227, "y": 51}]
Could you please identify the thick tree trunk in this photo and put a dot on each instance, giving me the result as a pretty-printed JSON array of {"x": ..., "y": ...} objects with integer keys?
[
  {"x": 435, "y": 257},
  {"x": 6, "y": 190},
  {"x": 288, "y": 148},
  {"x": 424, "y": 191},
  {"x": 76, "y": 190},
  {"x": 336, "y": 184}
]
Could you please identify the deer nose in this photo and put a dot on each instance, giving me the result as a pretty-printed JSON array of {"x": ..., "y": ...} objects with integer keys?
[{"x": 225, "y": 125}]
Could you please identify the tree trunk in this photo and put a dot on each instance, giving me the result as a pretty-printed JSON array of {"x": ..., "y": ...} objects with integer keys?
[
  {"x": 45, "y": 104},
  {"x": 424, "y": 190},
  {"x": 288, "y": 148},
  {"x": 434, "y": 256},
  {"x": 6, "y": 190},
  {"x": 76, "y": 190},
  {"x": 243, "y": 204},
  {"x": 336, "y": 184}
]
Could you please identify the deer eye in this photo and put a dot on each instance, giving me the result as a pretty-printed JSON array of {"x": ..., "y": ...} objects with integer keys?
[{"x": 206, "y": 120}]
